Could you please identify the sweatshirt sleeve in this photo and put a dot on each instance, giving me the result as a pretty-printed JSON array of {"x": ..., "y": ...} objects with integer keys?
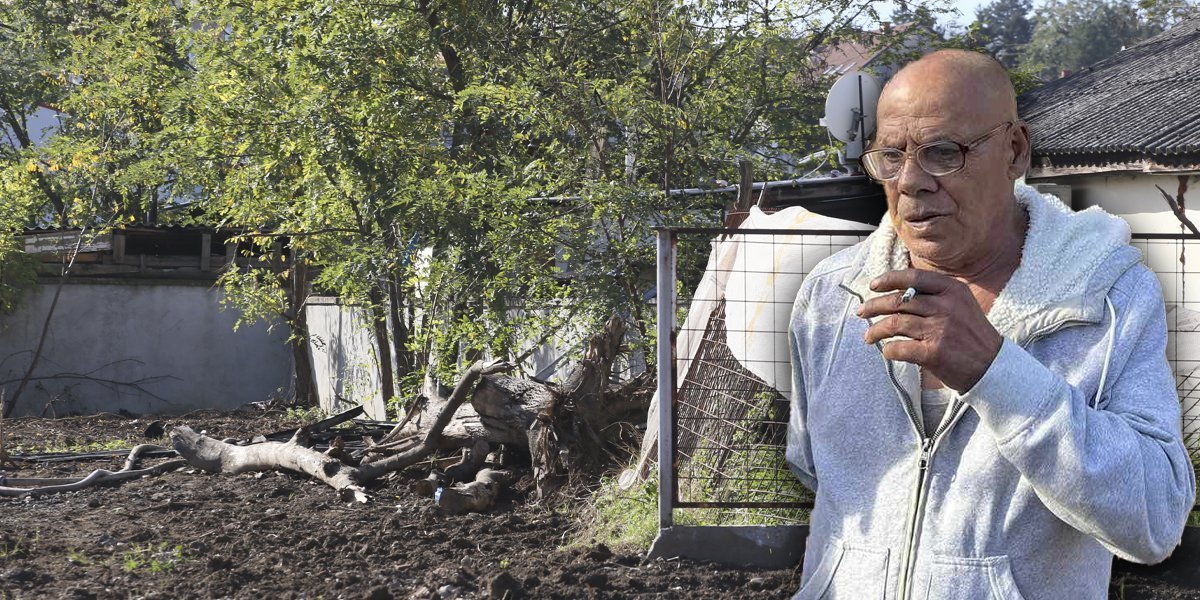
[
  {"x": 1119, "y": 473},
  {"x": 799, "y": 446}
]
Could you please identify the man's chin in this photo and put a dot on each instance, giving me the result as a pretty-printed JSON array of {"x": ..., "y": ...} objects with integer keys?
[{"x": 930, "y": 249}]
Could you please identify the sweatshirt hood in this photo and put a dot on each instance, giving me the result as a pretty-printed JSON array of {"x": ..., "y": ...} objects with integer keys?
[{"x": 1069, "y": 262}]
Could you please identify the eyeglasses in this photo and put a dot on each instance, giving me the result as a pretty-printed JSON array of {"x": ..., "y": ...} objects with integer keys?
[{"x": 938, "y": 158}]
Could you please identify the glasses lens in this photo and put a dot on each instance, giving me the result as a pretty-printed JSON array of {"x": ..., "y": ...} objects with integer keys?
[
  {"x": 883, "y": 164},
  {"x": 940, "y": 159}
]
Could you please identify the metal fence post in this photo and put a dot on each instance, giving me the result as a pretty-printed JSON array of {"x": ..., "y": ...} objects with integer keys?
[{"x": 666, "y": 376}]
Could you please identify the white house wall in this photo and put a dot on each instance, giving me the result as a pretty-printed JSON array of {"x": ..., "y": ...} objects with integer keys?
[
  {"x": 1133, "y": 197},
  {"x": 139, "y": 347}
]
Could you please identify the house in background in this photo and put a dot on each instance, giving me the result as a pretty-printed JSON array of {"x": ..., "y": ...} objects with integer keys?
[
  {"x": 1110, "y": 133},
  {"x": 881, "y": 53}
]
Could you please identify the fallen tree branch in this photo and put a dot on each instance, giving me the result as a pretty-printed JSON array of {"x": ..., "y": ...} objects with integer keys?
[
  {"x": 52, "y": 485},
  {"x": 427, "y": 446},
  {"x": 215, "y": 456},
  {"x": 1178, "y": 211}
]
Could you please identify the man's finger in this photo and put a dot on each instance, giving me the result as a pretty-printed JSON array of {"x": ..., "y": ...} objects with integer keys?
[
  {"x": 913, "y": 352},
  {"x": 925, "y": 282},
  {"x": 910, "y": 326},
  {"x": 920, "y": 305}
]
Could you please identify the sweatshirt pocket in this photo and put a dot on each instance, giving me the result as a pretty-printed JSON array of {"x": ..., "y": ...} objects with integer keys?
[
  {"x": 847, "y": 571},
  {"x": 956, "y": 578}
]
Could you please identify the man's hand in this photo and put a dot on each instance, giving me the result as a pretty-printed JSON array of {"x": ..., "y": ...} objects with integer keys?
[{"x": 950, "y": 335}]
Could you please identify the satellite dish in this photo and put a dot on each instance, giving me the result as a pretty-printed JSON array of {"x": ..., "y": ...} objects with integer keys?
[{"x": 850, "y": 110}]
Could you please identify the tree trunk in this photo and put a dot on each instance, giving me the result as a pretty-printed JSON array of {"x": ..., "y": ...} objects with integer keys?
[
  {"x": 304, "y": 377},
  {"x": 567, "y": 428},
  {"x": 219, "y": 457},
  {"x": 387, "y": 381},
  {"x": 400, "y": 332}
]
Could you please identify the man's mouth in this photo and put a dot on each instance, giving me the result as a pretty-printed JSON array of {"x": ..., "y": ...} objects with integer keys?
[{"x": 923, "y": 222}]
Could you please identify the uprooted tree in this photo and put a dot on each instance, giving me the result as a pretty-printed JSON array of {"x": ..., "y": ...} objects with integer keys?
[{"x": 564, "y": 428}]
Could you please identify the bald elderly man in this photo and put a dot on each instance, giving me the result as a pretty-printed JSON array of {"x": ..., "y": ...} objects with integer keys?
[{"x": 982, "y": 401}]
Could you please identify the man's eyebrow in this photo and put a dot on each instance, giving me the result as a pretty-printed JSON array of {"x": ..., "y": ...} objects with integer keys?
[
  {"x": 876, "y": 143},
  {"x": 918, "y": 138}
]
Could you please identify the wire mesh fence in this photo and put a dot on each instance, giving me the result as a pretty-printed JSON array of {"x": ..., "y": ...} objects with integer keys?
[
  {"x": 1168, "y": 255},
  {"x": 732, "y": 374}
]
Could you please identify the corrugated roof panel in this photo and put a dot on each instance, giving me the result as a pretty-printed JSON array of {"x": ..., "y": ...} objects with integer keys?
[{"x": 1143, "y": 100}]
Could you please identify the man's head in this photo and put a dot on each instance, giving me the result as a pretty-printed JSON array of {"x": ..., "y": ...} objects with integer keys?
[{"x": 948, "y": 221}]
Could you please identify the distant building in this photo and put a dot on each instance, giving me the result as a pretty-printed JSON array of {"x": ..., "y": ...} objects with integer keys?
[{"x": 881, "y": 53}]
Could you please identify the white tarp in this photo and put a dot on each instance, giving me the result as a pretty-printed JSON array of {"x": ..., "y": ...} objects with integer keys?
[{"x": 758, "y": 277}]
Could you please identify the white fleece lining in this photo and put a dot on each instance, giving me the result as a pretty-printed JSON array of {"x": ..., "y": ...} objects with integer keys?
[{"x": 1063, "y": 250}]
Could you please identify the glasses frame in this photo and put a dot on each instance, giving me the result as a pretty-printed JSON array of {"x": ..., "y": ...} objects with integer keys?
[{"x": 916, "y": 153}]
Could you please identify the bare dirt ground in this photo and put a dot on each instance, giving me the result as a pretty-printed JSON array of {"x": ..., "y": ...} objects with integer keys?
[{"x": 188, "y": 534}]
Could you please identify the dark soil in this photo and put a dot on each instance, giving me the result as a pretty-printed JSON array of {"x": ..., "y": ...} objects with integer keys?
[{"x": 188, "y": 534}]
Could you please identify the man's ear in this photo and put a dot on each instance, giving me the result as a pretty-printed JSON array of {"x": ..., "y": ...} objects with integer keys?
[{"x": 1020, "y": 151}]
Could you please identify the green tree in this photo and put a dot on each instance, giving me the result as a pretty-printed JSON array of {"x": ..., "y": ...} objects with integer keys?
[
  {"x": 1071, "y": 34},
  {"x": 433, "y": 158},
  {"x": 474, "y": 174},
  {"x": 1169, "y": 12},
  {"x": 1005, "y": 29}
]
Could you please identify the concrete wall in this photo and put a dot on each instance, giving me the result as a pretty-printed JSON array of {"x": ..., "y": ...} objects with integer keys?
[
  {"x": 344, "y": 358},
  {"x": 142, "y": 347}
]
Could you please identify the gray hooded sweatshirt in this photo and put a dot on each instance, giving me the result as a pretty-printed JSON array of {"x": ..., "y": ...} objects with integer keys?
[{"x": 1067, "y": 451}]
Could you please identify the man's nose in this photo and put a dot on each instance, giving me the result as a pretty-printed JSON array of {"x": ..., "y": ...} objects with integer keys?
[{"x": 913, "y": 180}]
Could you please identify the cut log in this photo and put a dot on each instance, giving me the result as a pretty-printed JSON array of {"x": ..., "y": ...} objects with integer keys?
[
  {"x": 428, "y": 486},
  {"x": 464, "y": 470},
  {"x": 477, "y": 496}
]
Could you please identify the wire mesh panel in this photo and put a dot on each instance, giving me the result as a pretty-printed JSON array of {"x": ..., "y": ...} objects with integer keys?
[
  {"x": 732, "y": 372},
  {"x": 1176, "y": 261}
]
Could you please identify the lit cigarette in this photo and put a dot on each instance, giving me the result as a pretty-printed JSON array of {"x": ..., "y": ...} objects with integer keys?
[{"x": 909, "y": 294}]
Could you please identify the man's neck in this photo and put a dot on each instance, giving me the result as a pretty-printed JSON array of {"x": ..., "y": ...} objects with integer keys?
[{"x": 987, "y": 275}]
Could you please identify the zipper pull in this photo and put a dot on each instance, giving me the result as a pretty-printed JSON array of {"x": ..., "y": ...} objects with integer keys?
[{"x": 926, "y": 451}]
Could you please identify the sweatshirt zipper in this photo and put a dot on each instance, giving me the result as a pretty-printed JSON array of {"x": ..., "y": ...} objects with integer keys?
[
  {"x": 928, "y": 445},
  {"x": 917, "y": 507}
]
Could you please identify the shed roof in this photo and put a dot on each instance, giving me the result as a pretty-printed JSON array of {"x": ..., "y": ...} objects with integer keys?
[{"x": 1138, "y": 109}]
